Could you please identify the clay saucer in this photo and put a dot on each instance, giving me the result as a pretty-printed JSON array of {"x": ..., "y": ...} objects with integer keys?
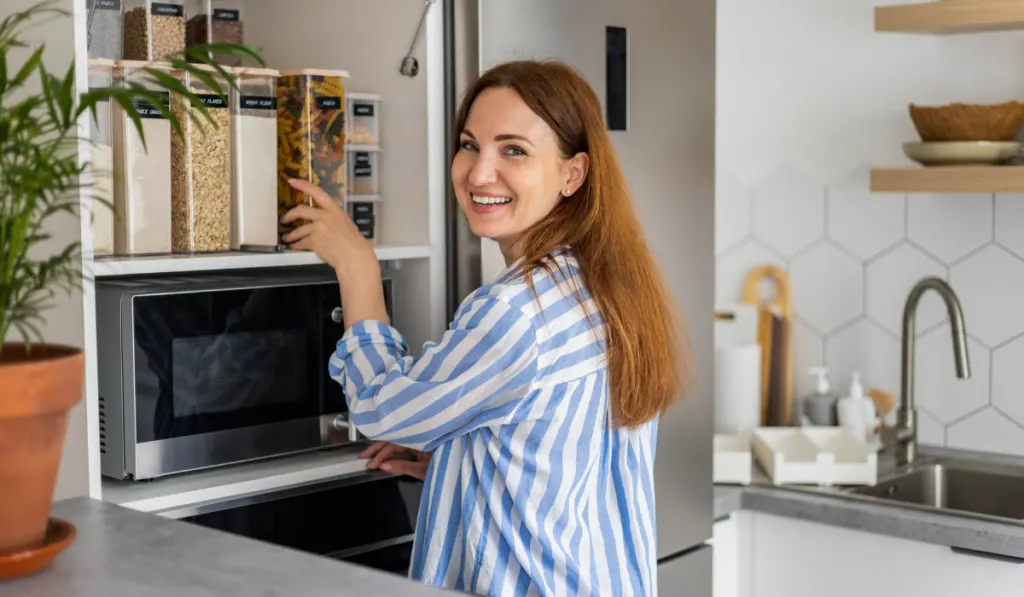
[{"x": 59, "y": 534}]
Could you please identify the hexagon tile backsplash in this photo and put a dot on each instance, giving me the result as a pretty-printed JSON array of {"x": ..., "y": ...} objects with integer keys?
[{"x": 852, "y": 257}]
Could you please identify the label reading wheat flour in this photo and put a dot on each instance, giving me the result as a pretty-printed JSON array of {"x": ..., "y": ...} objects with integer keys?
[
  {"x": 328, "y": 103},
  {"x": 224, "y": 14},
  {"x": 168, "y": 10},
  {"x": 258, "y": 102}
]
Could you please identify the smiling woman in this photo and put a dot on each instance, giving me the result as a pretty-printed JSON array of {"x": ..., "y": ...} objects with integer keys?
[{"x": 533, "y": 421}]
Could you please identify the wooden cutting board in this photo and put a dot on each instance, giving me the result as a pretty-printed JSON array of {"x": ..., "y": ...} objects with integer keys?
[{"x": 774, "y": 321}]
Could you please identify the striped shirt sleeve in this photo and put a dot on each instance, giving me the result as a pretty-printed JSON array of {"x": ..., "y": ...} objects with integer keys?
[{"x": 477, "y": 375}]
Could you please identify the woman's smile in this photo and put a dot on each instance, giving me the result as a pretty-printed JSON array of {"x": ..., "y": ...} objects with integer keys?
[{"x": 489, "y": 203}]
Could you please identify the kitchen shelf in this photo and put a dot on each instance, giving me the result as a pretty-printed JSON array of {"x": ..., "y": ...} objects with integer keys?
[
  {"x": 367, "y": 148},
  {"x": 106, "y": 267},
  {"x": 943, "y": 17},
  {"x": 949, "y": 179}
]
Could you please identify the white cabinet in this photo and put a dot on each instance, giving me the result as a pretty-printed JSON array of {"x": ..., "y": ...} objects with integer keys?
[
  {"x": 731, "y": 566},
  {"x": 795, "y": 558}
]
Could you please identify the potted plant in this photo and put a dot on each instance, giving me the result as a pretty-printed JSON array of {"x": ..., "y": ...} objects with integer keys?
[{"x": 41, "y": 176}]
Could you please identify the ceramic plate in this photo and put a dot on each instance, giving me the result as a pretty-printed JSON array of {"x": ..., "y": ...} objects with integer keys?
[{"x": 945, "y": 153}]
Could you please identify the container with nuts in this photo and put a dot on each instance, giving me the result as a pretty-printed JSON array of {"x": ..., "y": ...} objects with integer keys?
[
  {"x": 142, "y": 191},
  {"x": 216, "y": 22},
  {"x": 152, "y": 30},
  {"x": 310, "y": 135},
  {"x": 201, "y": 170},
  {"x": 363, "y": 118}
]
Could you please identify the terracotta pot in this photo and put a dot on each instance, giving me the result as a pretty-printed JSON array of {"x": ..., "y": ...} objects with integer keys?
[{"x": 36, "y": 393}]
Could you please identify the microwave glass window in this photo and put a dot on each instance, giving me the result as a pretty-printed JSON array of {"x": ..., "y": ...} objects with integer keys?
[{"x": 215, "y": 361}]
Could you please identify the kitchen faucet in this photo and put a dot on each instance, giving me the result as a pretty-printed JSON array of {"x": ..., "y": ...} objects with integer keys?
[{"x": 903, "y": 436}]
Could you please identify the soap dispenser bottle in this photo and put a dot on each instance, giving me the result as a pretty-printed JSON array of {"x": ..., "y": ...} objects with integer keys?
[
  {"x": 820, "y": 407},
  {"x": 856, "y": 412}
]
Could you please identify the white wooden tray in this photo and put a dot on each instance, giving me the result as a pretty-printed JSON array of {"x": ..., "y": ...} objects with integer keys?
[
  {"x": 733, "y": 460},
  {"x": 815, "y": 456}
]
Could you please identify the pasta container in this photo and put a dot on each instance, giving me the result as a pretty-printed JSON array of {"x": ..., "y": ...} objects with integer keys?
[
  {"x": 254, "y": 166},
  {"x": 153, "y": 30},
  {"x": 201, "y": 164},
  {"x": 142, "y": 192},
  {"x": 310, "y": 135}
]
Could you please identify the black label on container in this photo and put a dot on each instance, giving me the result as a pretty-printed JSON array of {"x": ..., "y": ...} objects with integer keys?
[
  {"x": 212, "y": 101},
  {"x": 168, "y": 10},
  {"x": 147, "y": 110},
  {"x": 224, "y": 14},
  {"x": 258, "y": 102},
  {"x": 107, "y": 4},
  {"x": 363, "y": 166},
  {"x": 328, "y": 103},
  {"x": 362, "y": 109},
  {"x": 362, "y": 209}
]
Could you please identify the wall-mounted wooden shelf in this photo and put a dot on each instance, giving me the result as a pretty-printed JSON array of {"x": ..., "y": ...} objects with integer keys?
[
  {"x": 942, "y": 17},
  {"x": 949, "y": 179}
]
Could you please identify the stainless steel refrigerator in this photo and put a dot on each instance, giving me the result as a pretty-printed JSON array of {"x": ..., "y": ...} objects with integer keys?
[{"x": 652, "y": 62}]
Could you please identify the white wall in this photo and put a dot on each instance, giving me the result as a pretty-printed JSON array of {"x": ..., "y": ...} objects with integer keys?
[
  {"x": 808, "y": 97},
  {"x": 64, "y": 323}
]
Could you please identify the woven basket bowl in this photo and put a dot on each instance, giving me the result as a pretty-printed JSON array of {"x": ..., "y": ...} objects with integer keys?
[{"x": 968, "y": 122}]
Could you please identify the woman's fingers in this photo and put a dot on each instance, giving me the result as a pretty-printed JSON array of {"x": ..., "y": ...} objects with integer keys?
[
  {"x": 412, "y": 468},
  {"x": 390, "y": 451},
  {"x": 298, "y": 234},
  {"x": 301, "y": 212},
  {"x": 319, "y": 196},
  {"x": 372, "y": 449}
]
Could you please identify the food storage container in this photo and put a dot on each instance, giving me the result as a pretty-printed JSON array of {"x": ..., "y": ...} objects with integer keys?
[
  {"x": 363, "y": 118},
  {"x": 254, "y": 168},
  {"x": 142, "y": 192},
  {"x": 201, "y": 163},
  {"x": 216, "y": 22},
  {"x": 152, "y": 30},
  {"x": 100, "y": 194},
  {"x": 104, "y": 26},
  {"x": 310, "y": 135},
  {"x": 364, "y": 214},
  {"x": 362, "y": 175}
]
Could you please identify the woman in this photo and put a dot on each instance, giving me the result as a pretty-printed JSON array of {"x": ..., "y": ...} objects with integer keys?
[{"x": 533, "y": 420}]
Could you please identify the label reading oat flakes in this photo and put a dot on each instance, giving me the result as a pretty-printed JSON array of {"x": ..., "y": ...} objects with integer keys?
[{"x": 212, "y": 101}]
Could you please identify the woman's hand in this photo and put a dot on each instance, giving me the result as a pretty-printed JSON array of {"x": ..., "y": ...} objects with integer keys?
[
  {"x": 399, "y": 460},
  {"x": 329, "y": 233}
]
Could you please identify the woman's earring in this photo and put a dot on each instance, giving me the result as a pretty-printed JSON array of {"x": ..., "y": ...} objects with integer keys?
[{"x": 567, "y": 192}]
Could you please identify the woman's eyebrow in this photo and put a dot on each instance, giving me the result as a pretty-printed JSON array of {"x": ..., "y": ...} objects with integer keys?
[{"x": 502, "y": 137}]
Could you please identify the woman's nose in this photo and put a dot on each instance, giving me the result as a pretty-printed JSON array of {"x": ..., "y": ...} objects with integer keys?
[{"x": 484, "y": 171}]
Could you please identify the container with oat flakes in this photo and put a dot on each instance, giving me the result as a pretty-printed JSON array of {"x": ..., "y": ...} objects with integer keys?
[
  {"x": 142, "y": 190},
  {"x": 152, "y": 30},
  {"x": 310, "y": 135},
  {"x": 201, "y": 170}
]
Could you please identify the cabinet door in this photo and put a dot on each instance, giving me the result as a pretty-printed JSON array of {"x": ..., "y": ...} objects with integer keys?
[
  {"x": 688, "y": 575},
  {"x": 803, "y": 559}
]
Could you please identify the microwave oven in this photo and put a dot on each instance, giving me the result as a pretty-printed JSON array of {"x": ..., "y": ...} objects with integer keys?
[{"x": 202, "y": 371}]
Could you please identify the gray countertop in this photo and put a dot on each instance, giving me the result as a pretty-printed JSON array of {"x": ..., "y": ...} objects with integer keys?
[
  {"x": 122, "y": 552},
  {"x": 838, "y": 508}
]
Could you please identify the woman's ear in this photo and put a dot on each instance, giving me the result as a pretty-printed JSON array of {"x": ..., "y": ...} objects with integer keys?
[{"x": 576, "y": 169}]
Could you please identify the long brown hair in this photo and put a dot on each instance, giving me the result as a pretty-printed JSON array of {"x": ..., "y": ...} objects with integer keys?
[{"x": 648, "y": 360}]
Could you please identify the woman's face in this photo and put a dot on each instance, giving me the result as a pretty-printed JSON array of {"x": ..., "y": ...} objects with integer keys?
[{"x": 509, "y": 172}]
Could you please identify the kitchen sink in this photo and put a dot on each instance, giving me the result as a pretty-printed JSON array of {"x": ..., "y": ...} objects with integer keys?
[{"x": 972, "y": 488}]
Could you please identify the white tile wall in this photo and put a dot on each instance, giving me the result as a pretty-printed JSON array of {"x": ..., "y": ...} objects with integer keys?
[{"x": 808, "y": 98}]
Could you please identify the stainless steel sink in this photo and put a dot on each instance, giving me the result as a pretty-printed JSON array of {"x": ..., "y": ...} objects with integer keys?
[{"x": 978, "y": 488}]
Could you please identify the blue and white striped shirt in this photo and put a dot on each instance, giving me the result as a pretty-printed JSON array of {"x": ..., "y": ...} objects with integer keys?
[{"x": 530, "y": 491}]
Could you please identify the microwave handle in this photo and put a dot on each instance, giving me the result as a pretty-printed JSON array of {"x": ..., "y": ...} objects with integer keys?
[{"x": 340, "y": 423}]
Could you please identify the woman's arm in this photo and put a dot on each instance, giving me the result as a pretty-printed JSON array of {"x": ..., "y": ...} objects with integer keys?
[{"x": 477, "y": 375}]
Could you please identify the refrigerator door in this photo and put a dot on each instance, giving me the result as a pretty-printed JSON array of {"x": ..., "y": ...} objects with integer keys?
[
  {"x": 668, "y": 152},
  {"x": 686, "y": 575}
]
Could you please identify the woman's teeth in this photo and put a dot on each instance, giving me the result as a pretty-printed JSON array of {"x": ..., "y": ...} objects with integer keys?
[{"x": 490, "y": 200}]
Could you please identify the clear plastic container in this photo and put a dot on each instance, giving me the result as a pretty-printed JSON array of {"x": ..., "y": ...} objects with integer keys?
[
  {"x": 216, "y": 21},
  {"x": 311, "y": 135},
  {"x": 101, "y": 162},
  {"x": 142, "y": 192},
  {"x": 254, "y": 168},
  {"x": 201, "y": 176},
  {"x": 364, "y": 118},
  {"x": 152, "y": 30},
  {"x": 362, "y": 175},
  {"x": 366, "y": 218},
  {"x": 105, "y": 28}
]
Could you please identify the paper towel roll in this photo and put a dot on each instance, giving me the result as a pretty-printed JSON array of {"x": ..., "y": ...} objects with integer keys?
[{"x": 737, "y": 388}]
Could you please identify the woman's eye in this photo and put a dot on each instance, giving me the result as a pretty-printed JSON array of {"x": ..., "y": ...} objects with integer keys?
[
  {"x": 515, "y": 151},
  {"x": 467, "y": 145}
]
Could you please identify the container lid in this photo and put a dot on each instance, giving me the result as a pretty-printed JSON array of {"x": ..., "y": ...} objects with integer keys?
[
  {"x": 102, "y": 62},
  {"x": 143, "y": 64},
  {"x": 255, "y": 72},
  {"x": 364, "y": 97},
  {"x": 316, "y": 72}
]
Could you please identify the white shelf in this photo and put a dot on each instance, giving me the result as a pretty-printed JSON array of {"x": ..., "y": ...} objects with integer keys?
[
  {"x": 107, "y": 267},
  {"x": 188, "y": 489}
]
